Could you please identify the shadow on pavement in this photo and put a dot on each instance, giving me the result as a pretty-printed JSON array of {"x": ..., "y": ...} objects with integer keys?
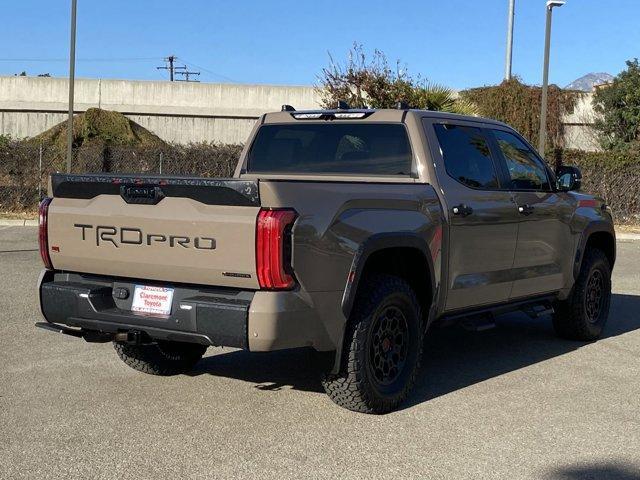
[
  {"x": 298, "y": 369},
  {"x": 606, "y": 471},
  {"x": 453, "y": 358}
]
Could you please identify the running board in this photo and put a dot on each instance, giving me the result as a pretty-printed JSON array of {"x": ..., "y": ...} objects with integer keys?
[
  {"x": 482, "y": 318},
  {"x": 478, "y": 323},
  {"x": 539, "y": 310}
]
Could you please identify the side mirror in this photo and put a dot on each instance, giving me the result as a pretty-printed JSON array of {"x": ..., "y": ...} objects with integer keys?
[{"x": 568, "y": 178}]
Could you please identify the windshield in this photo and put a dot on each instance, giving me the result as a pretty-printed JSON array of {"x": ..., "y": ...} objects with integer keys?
[{"x": 331, "y": 148}]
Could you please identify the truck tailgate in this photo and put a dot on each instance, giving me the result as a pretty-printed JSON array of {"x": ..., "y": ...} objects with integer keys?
[{"x": 187, "y": 230}]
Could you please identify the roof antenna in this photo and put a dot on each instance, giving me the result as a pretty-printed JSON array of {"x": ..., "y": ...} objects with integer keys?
[
  {"x": 342, "y": 105},
  {"x": 287, "y": 108}
]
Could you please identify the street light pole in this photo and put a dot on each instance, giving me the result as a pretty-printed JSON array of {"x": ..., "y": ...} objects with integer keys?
[
  {"x": 507, "y": 68},
  {"x": 72, "y": 75},
  {"x": 545, "y": 75}
]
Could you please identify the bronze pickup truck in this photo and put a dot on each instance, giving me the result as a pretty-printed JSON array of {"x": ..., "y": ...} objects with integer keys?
[{"x": 347, "y": 231}]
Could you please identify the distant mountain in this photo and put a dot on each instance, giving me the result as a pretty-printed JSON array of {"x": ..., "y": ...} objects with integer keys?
[{"x": 586, "y": 82}]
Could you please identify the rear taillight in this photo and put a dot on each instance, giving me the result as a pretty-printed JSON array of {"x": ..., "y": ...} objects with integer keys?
[
  {"x": 43, "y": 235},
  {"x": 273, "y": 248}
]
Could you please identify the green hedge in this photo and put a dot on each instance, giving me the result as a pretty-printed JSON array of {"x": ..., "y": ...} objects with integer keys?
[
  {"x": 518, "y": 105},
  {"x": 612, "y": 175}
]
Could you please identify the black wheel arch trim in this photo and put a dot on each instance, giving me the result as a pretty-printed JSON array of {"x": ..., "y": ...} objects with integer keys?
[
  {"x": 376, "y": 243},
  {"x": 596, "y": 226}
]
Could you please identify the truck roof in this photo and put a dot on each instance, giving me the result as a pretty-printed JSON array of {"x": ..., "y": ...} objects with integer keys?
[{"x": 367, "y": 115}]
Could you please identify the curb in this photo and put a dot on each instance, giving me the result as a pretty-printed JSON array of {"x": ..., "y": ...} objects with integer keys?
[
  {"x": 9, "y": 222},
  {"x": 627, "y": 236}
]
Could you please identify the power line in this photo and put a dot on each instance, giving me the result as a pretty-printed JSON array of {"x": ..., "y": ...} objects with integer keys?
[
  {"x": 209, "y": 71},
  {"x": 142, "y": 59},
  {"x": 176, "y": 68}
]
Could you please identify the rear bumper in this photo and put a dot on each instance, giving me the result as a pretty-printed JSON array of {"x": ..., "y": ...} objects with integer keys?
[
  {"x": 257, "y": 321},
  {"x": 199, "y": 315}
]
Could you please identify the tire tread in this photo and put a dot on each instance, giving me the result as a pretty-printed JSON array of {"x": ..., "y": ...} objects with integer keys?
[
  {"x": 349, "y": 388},
  {"x": 569, "y": 319},
  {"x": 151, "y": 359}
]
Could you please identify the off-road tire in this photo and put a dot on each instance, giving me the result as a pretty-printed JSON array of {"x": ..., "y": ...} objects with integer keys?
[
  {"x": 574, "y": 318},
  {"x": 356, "y": 387},
  {"x": 161, "y": 358}
]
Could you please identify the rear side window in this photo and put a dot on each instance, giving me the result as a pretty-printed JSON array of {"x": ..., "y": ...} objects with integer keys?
[
  {"x": 467, "y": 156},
  {"x": 525, "y": 169},
  {"x": 331, "y": 148}
]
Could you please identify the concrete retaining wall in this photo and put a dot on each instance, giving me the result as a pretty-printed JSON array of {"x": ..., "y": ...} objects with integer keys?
[
  {"x": 175, "y": 111},
  {"x": 185, "y": 112}
]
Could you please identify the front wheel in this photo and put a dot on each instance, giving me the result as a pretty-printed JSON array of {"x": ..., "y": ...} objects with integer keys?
[
  {"x": 583, "y": 315},
  {"x": 382, "y": 348},
  {"x": 161, "y": 358}
]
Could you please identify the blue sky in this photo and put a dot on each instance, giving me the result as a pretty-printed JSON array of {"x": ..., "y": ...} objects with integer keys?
[{"x": 459, "y": 43}]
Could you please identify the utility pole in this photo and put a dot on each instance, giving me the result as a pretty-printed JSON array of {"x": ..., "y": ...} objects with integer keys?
[
  {"x": 170, "y": 60},
  {"x": 186, "y": 74},
  {"x": 507, "y": 68},
  {"x": 545, "y": 75},
  {"x": 72, "y": 75}
]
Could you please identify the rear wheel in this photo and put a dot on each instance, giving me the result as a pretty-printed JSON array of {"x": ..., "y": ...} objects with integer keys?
[
  {"x": 583, "y": 315},
  {"x": 382, "y": 350},
  {"x": 161, "y": 358}
]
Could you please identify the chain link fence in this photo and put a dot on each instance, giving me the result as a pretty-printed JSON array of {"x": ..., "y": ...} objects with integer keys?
[
  {"x": 613, "y": 176},
  {"x": 25, "y": 166}
]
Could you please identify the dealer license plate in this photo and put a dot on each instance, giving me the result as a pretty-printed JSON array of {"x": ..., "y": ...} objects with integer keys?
[{"x": 153, "y": 300}]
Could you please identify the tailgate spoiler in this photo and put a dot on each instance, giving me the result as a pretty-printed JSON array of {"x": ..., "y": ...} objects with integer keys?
[{"x": 150, "y": 189}]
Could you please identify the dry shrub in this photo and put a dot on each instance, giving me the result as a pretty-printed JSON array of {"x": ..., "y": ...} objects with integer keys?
[{"x": 518, "y": 105}]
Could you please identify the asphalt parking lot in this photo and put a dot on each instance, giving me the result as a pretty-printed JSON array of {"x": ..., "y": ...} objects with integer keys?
[{"x": 513, "y": 402}]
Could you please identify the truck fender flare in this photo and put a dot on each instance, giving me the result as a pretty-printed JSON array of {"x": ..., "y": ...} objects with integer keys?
[
  {"x": 375, "y": 243},
  {"x": 592, "y": 227}
]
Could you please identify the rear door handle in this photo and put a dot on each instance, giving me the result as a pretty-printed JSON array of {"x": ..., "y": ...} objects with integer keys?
[
  {"x": 525, "y": 209},
  {"x": 462, "y": 210}
]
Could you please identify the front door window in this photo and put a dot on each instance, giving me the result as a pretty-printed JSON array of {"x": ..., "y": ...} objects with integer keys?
[{"x": 525, "y": 169}]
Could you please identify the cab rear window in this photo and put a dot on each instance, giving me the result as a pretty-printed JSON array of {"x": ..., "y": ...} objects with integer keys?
[{"x": 331, "y": 148}]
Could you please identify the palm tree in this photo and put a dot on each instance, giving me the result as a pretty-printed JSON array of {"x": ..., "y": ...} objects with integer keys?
[{"x": 433, "y": 96}]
